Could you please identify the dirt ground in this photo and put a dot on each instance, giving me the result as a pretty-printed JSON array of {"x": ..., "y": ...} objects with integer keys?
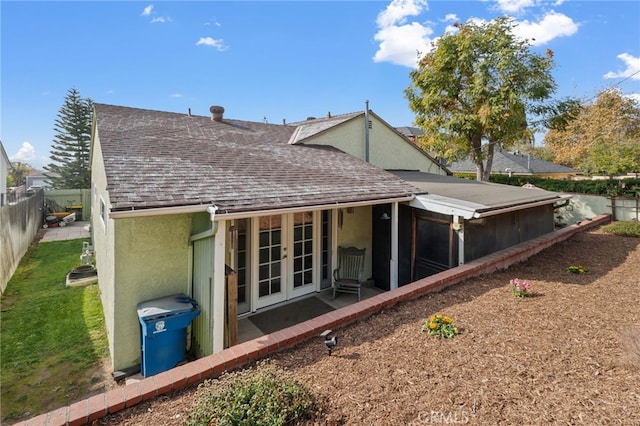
[{"x": 568, "y": 354}]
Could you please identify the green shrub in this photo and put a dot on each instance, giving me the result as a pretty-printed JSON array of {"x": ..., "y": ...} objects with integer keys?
[
  {"x": 266, "y": 395},
  {"x": 624, "y": 228}
]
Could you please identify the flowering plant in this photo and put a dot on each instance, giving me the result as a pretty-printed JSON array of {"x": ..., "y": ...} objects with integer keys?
[
  {"x": 576, "y": 269},
  {"x": 520, "y": 288},
  {"x": 441, "y": 326}
]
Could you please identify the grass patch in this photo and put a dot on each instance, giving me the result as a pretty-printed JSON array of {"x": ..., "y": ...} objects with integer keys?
[
  {"x": 265, "y": 396},
  {"x": 53, "y": 337},
  {"x": 624, "y": 228}
]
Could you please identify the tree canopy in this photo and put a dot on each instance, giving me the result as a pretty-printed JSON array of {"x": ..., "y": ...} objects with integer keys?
[
  {"x": 475, "y": 89},
  {"x": 70, "y": 148},
  {"x": 18, "y": 173},
  {"x": 604, "y": 138}
]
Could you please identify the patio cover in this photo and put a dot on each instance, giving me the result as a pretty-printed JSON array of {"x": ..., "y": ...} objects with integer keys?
[{"x": 471, "y": 199}]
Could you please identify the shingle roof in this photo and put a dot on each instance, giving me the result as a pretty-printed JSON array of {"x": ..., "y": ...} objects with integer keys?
[
  {"x": 160, "y": 159},
  {"x": 517, "y": 163},
  {"x": 410, "y": 131}
]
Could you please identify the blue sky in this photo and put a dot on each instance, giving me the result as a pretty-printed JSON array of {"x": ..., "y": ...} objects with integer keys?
[{"x": 274, "y": 60}]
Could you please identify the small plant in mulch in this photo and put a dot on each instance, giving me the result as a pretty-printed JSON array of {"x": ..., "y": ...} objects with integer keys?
[
  {"x": 520, "y": 288},
  {"x": 265, "y": 396},
  {"x": 577, "y": 269},
  {"x": 441, "y": 326},
  {"x": 624, "y": 228}
]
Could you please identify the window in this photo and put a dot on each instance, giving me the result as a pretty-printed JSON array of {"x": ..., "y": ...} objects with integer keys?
[{"x": 103, "y": 213}]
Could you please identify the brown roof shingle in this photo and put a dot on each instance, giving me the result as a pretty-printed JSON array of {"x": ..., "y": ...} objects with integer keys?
[{"x": 160, "y": 159}]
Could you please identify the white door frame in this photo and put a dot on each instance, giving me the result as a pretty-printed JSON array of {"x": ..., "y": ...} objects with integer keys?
[{"x": 287, "y": 290}]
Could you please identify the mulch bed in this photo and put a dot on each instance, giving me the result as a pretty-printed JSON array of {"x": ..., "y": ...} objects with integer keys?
[{"x": 568, "y": 354}]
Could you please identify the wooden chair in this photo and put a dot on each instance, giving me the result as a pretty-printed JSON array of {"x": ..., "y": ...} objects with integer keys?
[{"x": 347, "y": 277}]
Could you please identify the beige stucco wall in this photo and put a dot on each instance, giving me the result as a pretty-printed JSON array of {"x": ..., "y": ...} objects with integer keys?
[
  {"x": 356, "y": 231},
  {"x": 102, "y": 233},
  {"x": 137, "y": 259},
  {"x": 387, "y": 149},
  {"x": 151, "y": 261}
]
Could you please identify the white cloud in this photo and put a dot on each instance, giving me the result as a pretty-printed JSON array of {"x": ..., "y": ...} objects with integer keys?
[
  {"x": 177, "y": 95},
  {"x": 401, "y": 45},
  {"x": 161, "y": 19},
  {"x": 147, "y": 10},
  {"x": 25, "y": 154},
  {"x": 212, "y": 42},
  {"x": 632, "y": 70},
  {"x": 400, "y": 42},
  {"x": 451, "y": 17},
  {"x": 514, "y": 6},
  {"x": 634, "y": 96},
  {"x": 399, "y": 39},
  {"x": 398, "y": 10},
  {"x": 553, "y": 25}
]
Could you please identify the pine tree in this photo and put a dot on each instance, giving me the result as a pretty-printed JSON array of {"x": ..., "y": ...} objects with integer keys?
[{"x": 71, "y": 144}]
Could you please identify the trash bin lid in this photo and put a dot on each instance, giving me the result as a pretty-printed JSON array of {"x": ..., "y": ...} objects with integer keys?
[{"x": 165, "y": 306}]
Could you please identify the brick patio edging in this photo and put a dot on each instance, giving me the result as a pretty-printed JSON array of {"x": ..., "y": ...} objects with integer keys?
[{"x": 97, "y": 406}]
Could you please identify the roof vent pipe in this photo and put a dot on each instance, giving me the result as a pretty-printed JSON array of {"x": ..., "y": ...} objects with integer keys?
[
  {"x": 366, "y": 131},
  {"x": 217, "y": 112}
]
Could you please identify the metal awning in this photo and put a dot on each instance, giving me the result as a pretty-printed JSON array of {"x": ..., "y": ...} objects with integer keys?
[{"x": 471, "y": 199}]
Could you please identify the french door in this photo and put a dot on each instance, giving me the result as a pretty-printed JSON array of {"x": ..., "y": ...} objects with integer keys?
[{"x": 283, "y": 248}]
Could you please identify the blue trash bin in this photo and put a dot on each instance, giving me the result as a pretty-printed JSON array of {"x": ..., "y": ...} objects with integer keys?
[{"x": 163, "y": 336}]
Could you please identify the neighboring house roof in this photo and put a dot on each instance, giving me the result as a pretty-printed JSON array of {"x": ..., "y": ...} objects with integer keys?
[
  {"x": 516, "y": 163},
  {"x": 3, "y": 155},
  {"x": 472, "y": 199},
  {"x": 156, "y": 159},
  {"x": 410, "y": 132}
]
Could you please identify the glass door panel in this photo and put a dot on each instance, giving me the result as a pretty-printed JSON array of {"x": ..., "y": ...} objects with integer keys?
[
  {"x": 302, "y": 241},
  {"x": 270, "y": 257},
  {"x": 240, "y": 244}
]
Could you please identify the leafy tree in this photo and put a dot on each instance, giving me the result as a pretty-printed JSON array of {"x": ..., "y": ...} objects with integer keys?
[
  {"x": 18, "y": 173},
  {"x": 70, "y": 149},
  {"x": 603, "y": 139},
  {"x": 478, "y": 85}
]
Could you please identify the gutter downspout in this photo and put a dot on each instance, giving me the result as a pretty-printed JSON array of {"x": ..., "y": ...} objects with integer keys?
[{"x": 212, "y": 209}]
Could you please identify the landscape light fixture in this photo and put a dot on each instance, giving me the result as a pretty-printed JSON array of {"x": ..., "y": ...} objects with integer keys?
[{"x": 330, "y": 342}]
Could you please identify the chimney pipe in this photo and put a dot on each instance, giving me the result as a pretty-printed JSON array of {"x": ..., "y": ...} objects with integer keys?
[{"x": 217, "y": 112}]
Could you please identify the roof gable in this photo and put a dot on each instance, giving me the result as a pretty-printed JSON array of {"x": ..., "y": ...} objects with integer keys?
[{"x": 312, "y": 127}]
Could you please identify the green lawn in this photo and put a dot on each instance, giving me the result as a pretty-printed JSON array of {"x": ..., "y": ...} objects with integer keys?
[{"x": 52, "y": 338}]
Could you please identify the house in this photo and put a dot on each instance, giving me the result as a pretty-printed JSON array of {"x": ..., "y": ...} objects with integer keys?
[
  {"x": 184, "y": 202},
  {"x": 516, "y": 163},
  {"x": 5, "y": 165}
]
